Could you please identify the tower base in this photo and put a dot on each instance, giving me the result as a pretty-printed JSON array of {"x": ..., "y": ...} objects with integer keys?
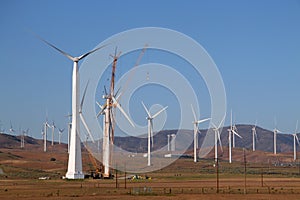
[{"x": 74, "y": 175}]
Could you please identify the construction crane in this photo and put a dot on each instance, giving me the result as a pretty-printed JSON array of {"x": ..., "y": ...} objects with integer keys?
[
  {"x": 97, "y": 171},
  {"x": 108, "y": 111},
  {"x": 134, "y": 67}
]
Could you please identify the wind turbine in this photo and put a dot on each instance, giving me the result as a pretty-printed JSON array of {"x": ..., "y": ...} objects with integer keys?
[
  {"x": 24, "y": 133},
  {"x": 53, "y": 127},
  {"x": 231, "y": 131},
  {"x": 218, "y": 138},
  {"x": 150, "y": 128},
  {"x": 111, "y": 101},
  {"x": 275, "y": 131},
  {"x": 60, "y": 131},
  {"x": 75, "y": 160},
  {"x": 196, "y": 123},
  {"x": 11, "y": 128},
  {"x": 254, "y": 136},
  {"x": 46, "y": 126},
  {"x": 296, "y": 139}
]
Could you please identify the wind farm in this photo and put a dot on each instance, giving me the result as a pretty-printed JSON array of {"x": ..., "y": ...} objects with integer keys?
[
  {"x": 164, "y": 100},
  {"x": 87, "y": 164},
  {"x": 253, "y": 143}
]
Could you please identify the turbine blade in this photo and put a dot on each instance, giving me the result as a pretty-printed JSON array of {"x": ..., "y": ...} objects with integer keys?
[
  {"x": 231, "y": 119},
  {"x": 203, "y": 120},
  {"x": 236, "y": 134},
  {"x": 214, "y": 125},
  {"x": 90, "y": 52},
  {"x": 101, "y": 107},
  {"x": 278, "y": 131},
  {"x": 194, "y": 114},
  {"x": 86, "y": 127},
  {"x": 146, "y": 110},
  {"x": 222, "y": 122},
  {"x": 83, "y": 97},
  {"x": 123, "y": 112},
  {"x": 297, "y": 139},
  {"x": 198, "y": 130},
  {"x": 220, "y": 142},
  {"x": 235, "y": 128},
  {"x": 98, "y": 114},
  {"x": 155, "y": 115},
  {"x": 296, "y": 127},
  {"x": 54, "y": 47},
  {"x": 151, "y": 124},
  {"x": 116, "y": 94}
]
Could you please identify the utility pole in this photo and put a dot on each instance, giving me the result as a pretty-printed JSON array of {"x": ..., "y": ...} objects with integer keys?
[
  {"x": 245, "y": 172},
  {"x": 116, "y": 176},
  {"x": 125, "y": 186},
  {"x": 262, "y": 177},
  {"x": 217, "y": 166},
  {"x": 298, "y": 167}
]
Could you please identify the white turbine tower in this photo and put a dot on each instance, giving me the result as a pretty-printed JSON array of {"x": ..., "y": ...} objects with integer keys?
[
  {"x": 296, "y": 139},
  {"x": 60, "y": 131},
  {"x": 46, "y": 126},
  {"x": 217, "y": 138},
  {"x": 254, "y": 136},
  {"x": 168, "y": 142},
  {"x": 53, "y": 127},
  {"x": 108, "y": 130},
  {"x": 24, "y": 133},
  {"x": 173, "y": 142},
  {"x": 275, "y": 131},
  {"x": 75, "y": 160},
  {"x": 150, "y": 129},
  {"x": 196, "y": 123},
  {"x": 231, "y": 131}
]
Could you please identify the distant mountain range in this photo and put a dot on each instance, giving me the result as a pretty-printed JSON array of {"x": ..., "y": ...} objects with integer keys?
[
  {"x": 264, "y": 140},
  {"x": 135, "y": 144}
]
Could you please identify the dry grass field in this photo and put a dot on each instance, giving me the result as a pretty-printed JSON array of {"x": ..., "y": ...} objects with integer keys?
[
  {"x": 184, "y": 179},
  {"x": 150, "y": 189}
]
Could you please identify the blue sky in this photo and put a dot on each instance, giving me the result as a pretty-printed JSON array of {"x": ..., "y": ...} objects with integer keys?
[{"x": 255, "y": 44}]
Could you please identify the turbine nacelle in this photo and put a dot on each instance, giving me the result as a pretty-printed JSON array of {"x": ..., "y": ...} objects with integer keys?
[{"x": 277, "y": 131}]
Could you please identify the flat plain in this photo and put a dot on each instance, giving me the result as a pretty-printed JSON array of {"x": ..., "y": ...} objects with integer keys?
[{"x": 21, "y": 169}]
